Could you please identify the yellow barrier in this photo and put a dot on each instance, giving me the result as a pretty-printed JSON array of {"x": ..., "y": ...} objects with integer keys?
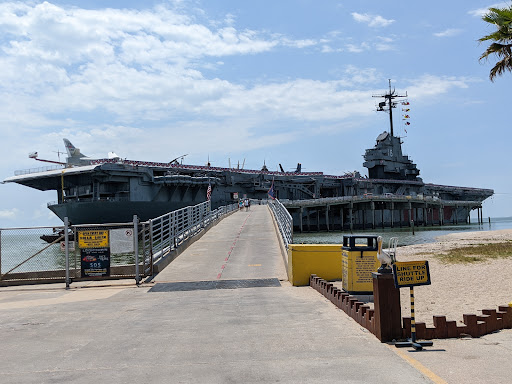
[{"x": 324, "y": 260}]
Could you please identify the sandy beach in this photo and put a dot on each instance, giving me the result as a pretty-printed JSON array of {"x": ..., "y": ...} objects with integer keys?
[{"x": 457, "y": 289}]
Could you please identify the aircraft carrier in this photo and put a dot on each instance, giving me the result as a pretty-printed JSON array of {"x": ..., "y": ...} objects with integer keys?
[{"x": 112, "y": 190}]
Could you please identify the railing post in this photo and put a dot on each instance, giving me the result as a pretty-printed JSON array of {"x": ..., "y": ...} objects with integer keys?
[
  {"x": 66, "y": 243},
  {"x": 173, "y": 218},
  {"x": 151, "y": 243},
  {"x": 161, "y": 235},
  {"x": 136, "y": 247},
  {"x": 0, "y": 254}
]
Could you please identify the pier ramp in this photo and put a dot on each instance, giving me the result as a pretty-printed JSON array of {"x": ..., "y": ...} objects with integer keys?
[{"x": 242, "y": 246}]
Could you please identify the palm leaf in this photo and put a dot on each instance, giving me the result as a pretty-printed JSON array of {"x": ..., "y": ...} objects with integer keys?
[{"x": 501, "y": 38}]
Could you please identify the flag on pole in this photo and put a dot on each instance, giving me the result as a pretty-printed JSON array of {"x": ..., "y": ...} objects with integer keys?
[
  {"x": 271, "y": 192},
  {"x": 209, "y": 192}
]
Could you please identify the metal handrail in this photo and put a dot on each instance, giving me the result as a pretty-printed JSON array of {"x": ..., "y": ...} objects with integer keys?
[
  {"x": 284, "y": 221},
  {"x": 168, "y": 231}
]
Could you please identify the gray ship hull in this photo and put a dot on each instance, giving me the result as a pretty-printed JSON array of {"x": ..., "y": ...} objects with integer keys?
[{"x": 94, "y": 212}]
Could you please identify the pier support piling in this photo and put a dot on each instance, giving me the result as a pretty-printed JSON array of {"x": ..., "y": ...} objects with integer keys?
[{"x": 327, "y": 217}]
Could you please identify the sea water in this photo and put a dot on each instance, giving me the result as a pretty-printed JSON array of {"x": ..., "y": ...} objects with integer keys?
[
  {"x": 405, "y": 236},
  {"x": 25, "y": 251}
]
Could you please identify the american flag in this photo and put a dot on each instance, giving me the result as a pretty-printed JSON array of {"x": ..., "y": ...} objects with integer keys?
[{"x": 209, "y": 192}]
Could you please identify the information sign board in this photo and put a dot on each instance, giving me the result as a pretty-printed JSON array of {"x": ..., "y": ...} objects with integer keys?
[
  {"x": 95, "y": 262},
  {"x": 121, "y": 241},
  {"x": 411, "y": 273},
  {"x": 93, "y": 239}
]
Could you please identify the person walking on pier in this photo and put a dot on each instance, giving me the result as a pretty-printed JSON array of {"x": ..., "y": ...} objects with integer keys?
[{"x": 246, "y": 204}]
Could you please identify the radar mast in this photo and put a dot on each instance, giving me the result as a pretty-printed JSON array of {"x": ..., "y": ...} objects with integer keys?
[{"x": 388, "y": 104}]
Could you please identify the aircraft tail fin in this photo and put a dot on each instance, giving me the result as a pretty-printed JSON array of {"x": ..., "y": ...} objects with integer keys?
[{"x": 73, "y": 152}]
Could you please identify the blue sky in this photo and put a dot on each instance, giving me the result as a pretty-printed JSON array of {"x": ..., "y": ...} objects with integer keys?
[{"x": 274, "y": 81}]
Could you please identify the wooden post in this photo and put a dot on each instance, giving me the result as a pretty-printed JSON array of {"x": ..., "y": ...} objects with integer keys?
[
  {"x": 308, "y": 220},
  {"x": 387, "y": 315},
  {"x": 341, "y": 216},
  {"x": 300, "y": 221}
]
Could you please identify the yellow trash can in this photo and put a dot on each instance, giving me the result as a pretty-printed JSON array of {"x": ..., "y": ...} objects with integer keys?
[{"x": 359, "y": 260}]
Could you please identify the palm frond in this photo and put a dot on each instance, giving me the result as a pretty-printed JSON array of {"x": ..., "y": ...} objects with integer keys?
[
  {"x": 501, "y": 67},
  {"x": 501, "y": 38}
]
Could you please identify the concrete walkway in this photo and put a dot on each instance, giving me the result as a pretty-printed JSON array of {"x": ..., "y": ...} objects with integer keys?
[{"x": 177, "y": 330}]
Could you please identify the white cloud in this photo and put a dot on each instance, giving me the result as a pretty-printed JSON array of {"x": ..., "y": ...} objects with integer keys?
[
  {"x": 448, "y": 32},
  {"x": 482, "y": 11},
  {"x": 130, "y": 76},
  {"x": 300, "y": 43},
  {"x": 358, "y": 48},
  {"x": 383, "y": 47},
  {"x": 428, "y": 86},
  {"x": 372, "y": 20},
  {"x": 8, "y": 213},
  {"x": 130, "y": 63}
]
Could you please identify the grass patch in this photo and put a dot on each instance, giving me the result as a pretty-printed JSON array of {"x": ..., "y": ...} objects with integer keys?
[{"x": 477, "y": 253}]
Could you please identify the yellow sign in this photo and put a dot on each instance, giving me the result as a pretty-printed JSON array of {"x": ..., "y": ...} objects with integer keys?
[
  {"x": 411, "y": 273},
  {"x": 357, "y": 268},
  {"x": 93, "y": 239}
]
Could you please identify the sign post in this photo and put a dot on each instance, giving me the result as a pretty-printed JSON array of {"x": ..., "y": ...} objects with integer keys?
[{"x": 410, "y": 274}]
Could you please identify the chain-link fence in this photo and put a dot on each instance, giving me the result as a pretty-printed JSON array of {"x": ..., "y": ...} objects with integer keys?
[
  {"x": 39, "y": 254},
  {"x": 32, "y": 254}
]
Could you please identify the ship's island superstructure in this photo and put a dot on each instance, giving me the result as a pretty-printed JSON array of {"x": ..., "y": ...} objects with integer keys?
[{"x": 112, "y": 190}]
